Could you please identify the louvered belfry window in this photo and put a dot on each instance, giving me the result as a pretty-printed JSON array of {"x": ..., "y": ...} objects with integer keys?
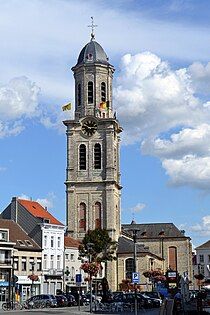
[
  {"x": 97, "y": 156},
  {"x": 82, "y": 157},
  {"x": 79, "y": 95},
  {"x": 103, "y": 92},
  {"x": 90, "y": 92}
]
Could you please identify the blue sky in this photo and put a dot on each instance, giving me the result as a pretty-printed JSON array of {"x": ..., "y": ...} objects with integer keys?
[{"x": 160, "y": 50}]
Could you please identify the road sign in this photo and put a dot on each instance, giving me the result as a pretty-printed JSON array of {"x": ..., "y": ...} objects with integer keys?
[
  {"x": 78, "y": 278},
  {"x": 135, "y": 277}
]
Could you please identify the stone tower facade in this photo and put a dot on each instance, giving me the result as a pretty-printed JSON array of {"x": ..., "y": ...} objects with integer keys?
[{"x": 93, "y": 171}]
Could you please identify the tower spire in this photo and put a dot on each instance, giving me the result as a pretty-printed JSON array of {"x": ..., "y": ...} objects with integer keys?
[{"x": 92, "y": 27}]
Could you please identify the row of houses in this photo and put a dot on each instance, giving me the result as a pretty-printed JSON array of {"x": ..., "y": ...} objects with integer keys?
[{"x": 34, "y": 252}]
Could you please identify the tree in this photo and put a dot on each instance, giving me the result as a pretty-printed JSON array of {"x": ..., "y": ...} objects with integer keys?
[{"x": 102, "y": 247}]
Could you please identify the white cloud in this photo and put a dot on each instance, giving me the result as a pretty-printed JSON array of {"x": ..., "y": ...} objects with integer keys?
[
  {"x": 18, "y": 102},
  {"x": 159, "y": 108},
  {"x": 139, "y": 207},
  {"x": 203, "y": 228},
  {"x": 2, "y": 168},
  {"x": 45, "y": 202}
]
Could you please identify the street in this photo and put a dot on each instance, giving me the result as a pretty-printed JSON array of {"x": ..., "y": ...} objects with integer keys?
[{"x": 74, "y": 311}]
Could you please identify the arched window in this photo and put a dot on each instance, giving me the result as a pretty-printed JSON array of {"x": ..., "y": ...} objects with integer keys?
[
  {"x": 82, "y": 157},
  {"x": 79, "y": 95},
  {"x": 103, "y": 92},
  {"x": 172, "y": 258},
  {"x": 97, "y": 156},
  {"x": 90, "y": 92},
  {"x": 97, "y": 215},
  {"x": 129, "y": 268},
  {"x": 82, "y": 217}
]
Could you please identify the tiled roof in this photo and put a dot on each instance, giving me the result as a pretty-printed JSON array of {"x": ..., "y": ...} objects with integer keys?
[
  {"x": 16, "y": 234},
  {"x": 71, "y": 242},
  {"x": 153, "y": 230},
  {"x": 38, "y": 211},
  {"x": 205, "y": 245}
]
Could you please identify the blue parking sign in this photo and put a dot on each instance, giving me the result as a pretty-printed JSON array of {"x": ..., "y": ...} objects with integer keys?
[
  {"x": 78, "y": 278},
  {"x": 135, "y": 277}
]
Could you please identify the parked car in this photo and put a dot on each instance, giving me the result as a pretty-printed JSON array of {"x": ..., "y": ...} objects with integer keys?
[
  {"x": 78, "y": 298},
  {"x": 129, "y": 297},
  {"x": 71, "y": 299},
  {"x": 61, "y": 300},
  {"x": 48, "y": 300},
  {"x": 154, "y": 297}
]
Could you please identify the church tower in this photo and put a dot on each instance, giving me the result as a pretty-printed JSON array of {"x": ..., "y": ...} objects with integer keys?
[{"x": 93, "y": 172}]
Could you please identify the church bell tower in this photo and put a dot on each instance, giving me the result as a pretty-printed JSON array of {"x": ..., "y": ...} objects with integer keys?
[{"x": 93, "y": 172}]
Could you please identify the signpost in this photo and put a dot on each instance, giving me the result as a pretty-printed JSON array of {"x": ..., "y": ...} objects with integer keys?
[
  {"x": 78, "y": 283},
  {"x": 135, "y": 277}
]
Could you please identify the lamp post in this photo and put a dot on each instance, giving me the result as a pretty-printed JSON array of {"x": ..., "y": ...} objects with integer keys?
[
  {"x": 32, "y": 285},
  {"x": 89, "y": 251},
  {"x": 134, "y": 265}
]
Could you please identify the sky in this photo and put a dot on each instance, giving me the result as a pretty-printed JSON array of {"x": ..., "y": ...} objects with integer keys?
[{"x": 161, "y": 92}]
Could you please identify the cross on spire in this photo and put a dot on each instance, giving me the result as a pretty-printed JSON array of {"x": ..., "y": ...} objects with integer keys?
[{"x": 92, "y": 27}]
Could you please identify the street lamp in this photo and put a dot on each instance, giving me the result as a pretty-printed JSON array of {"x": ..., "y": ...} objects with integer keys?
[{"x": 32, "y": 278}]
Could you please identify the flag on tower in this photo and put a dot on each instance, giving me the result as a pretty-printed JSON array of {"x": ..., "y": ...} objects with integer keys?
[
  {"x": 104, "y": 105},
  {"x": 66, "y": 106}
]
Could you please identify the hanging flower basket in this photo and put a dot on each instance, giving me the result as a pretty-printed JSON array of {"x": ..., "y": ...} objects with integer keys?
[
  {"x": 33, "y": 277},
  {"x": 91, "y": 268}
]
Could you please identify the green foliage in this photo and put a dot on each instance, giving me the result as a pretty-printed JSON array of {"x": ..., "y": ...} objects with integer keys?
[{"x": 98, "y": 245}]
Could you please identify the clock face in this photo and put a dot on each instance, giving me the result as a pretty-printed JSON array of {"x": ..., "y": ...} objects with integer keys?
[{"x": 89, "y": 127}]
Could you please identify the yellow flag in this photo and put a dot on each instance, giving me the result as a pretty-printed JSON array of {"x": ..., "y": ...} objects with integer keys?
[{"x": 66, "y": 106}]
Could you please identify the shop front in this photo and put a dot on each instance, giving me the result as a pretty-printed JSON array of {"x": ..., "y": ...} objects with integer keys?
[{"x": 26, "y": 288}]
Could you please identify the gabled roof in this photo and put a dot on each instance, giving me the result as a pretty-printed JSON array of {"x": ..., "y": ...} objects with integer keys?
[
  {"x": 153, "y": 230},
  {"x": 38, "y": 211},
  {"x": 19, "y": 236},
  {"x": 205, "y": 245},
  {"x": 71, "y": 242},
  {"x": 126, "y": 246}
]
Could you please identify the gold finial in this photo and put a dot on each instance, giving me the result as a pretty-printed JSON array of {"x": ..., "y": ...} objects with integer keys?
[{"x": 92, "y": 26}]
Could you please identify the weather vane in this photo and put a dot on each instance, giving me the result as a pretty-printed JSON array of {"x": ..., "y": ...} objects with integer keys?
[{"x": 92, "y": 26}]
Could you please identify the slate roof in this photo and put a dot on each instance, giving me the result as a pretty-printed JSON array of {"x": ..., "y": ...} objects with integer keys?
[
  {"x": 71, "y": 242},
  {"x": 126, "y": 246},
  {"x": 205, "y": 245},
  {"x": 16, "y": 233},
  {"x": 92, "y": 52},
  {"x": 153, "y": 230},
  {"x": 38, "y": 211}
]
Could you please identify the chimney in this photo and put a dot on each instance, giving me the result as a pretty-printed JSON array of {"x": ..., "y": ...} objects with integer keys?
[{"x": 45, "y": 208}]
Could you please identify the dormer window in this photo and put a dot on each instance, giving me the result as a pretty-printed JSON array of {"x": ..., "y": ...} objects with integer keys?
[
  {"x": 162, "y": 233},
  {"x": 28, "y": 243},
  {"x": 21, "y": 243},
  {"x": 144, "y": 234},
  {"x": 3, "y": 236},
  {"x": 46, "y": 220}
]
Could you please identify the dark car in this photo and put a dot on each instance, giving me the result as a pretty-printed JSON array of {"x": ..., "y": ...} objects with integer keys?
[
  {"x": 46, "y": 300},
  {"x": 154, "y": 297},
  {"x": 71, "y": 299},
  {"x": 78, "y": 298},
  {"x": 61, "y": 300}
]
